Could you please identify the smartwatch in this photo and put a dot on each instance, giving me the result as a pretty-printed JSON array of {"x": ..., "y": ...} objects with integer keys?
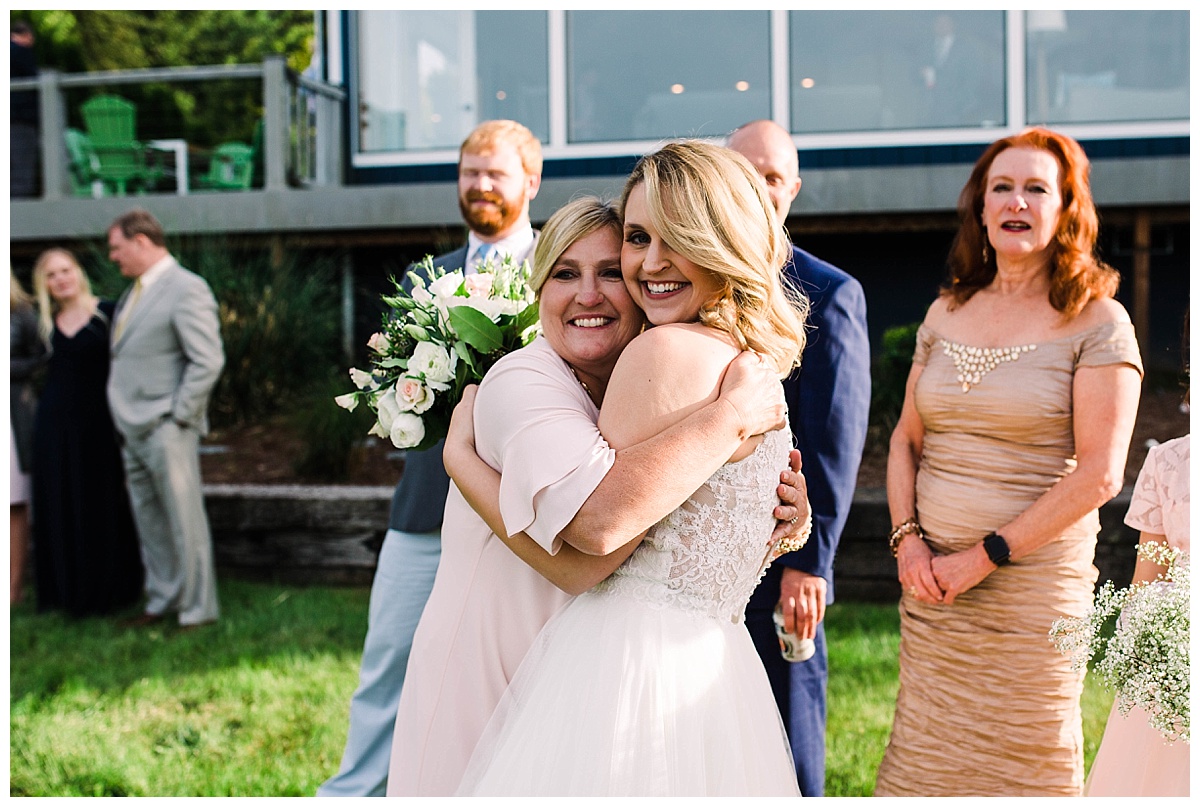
[{"x": 996, "y": 548}]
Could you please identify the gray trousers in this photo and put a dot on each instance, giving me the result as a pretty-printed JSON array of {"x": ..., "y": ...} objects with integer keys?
[{"x": 162, "y": 470}]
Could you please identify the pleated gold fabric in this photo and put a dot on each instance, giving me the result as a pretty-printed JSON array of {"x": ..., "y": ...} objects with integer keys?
[{"x": 987, "y": 706}]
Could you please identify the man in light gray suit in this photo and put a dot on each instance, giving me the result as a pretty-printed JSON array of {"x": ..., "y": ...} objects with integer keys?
[
  {"x": 499, "y": 172},
  {"x": 166, "y": 357}
]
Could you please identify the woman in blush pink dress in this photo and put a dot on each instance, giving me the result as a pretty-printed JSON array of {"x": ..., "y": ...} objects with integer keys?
[
  {"x": 564, "y": 490},
  {"x": 1134, "y": 759}
]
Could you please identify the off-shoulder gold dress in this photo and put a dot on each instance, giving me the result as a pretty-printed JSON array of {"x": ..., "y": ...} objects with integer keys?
[{"x": 987, "y": 705}]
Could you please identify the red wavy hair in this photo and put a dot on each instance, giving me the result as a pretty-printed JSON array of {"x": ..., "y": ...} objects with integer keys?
[{"x": 1077, "y": 275}]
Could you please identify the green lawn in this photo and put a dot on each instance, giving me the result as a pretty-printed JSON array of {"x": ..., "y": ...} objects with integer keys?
[{"x": 256, "y": 705}]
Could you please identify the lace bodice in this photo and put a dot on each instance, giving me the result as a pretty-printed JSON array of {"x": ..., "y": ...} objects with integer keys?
[{"x": 709, "y": 554}]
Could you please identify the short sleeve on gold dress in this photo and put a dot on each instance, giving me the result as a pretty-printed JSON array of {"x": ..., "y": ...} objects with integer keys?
[{"x": 987, "y": 706}]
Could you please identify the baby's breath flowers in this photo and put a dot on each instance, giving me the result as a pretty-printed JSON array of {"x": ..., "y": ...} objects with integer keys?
[{"x": 1145, "y": 656}]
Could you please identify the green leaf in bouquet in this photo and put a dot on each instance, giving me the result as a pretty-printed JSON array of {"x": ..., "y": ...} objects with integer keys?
[
  {"x": 434, "y": 431},
  {"x": 527, "y": 317},
  {"x": 401, "y": 363},
  {"x": 474, "y": 328},
  {"x": 464, "y": 374}
]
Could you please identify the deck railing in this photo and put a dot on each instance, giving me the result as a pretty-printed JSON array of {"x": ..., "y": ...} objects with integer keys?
[{"x": 301, "y": 119}]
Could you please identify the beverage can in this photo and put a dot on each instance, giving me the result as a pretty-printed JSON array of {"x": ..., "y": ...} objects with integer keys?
[{"x": 791, "y": 646}]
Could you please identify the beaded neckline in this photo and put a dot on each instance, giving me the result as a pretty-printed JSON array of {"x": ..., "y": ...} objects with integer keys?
[{"x": 973, "y": 363}]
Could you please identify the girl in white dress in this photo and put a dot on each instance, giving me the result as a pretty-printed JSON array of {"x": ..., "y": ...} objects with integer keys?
[
  {"x": 1134, "y": 759},
  {"x": 649, "y": 683}
]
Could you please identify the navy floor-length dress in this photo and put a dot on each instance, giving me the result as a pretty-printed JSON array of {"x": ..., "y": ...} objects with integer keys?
[{"x": 86, "y": 553}]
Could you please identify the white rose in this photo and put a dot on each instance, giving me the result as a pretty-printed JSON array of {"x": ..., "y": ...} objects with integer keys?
[
  {"x": 447, "y": 285},
  {"x": 435, "y": 363},
  {"x": 491, "y": 307},
  {"x": 478, "y": 284},
  {"x": 407, "y": 430},
  {"x": 387, "y": 408},
  {"x": 348, "y": 401},
  {"x": 361, "y": 378},
  {"x": 379, "y": 343},
  {"x": 421, "y": 295},
  {"x": 413, "y": 396}
]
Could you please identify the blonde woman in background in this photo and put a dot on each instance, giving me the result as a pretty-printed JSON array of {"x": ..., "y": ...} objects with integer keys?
[{"x": 86, "y": 556}]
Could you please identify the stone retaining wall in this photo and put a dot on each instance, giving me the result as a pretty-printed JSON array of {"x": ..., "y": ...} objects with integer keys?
[{"x": 331, "y": 535}]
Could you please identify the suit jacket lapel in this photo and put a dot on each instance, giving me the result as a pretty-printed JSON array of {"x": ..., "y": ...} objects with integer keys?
[{"x": 150, "y": 297}]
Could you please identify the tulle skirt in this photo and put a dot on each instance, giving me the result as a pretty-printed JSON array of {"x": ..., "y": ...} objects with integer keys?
[{"x": 621, "y": 698}]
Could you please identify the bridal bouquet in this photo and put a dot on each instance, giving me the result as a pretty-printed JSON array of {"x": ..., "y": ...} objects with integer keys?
[
  {"x": 444, "y": 334},
  {"x": 1145, "y": 657}
]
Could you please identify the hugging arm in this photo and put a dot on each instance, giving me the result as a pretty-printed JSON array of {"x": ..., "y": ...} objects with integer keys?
[{"x": 646, "y": 481}]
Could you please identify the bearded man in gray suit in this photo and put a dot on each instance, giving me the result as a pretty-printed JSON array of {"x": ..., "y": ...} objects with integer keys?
[
  {"x": 166, "y": 357},
  {"x": 499, "y": 172}
]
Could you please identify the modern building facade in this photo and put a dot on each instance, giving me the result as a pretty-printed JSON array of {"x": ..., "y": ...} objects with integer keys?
[
  {"x": 888, "y": 110},
  {"x": 870, "y": 96}
]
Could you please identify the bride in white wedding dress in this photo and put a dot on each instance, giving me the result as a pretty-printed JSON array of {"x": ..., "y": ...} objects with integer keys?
[{"x": 649, "y": 684}]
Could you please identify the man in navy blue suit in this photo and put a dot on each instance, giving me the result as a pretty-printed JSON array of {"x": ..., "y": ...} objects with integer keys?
[{"x": 828, "y": 402}]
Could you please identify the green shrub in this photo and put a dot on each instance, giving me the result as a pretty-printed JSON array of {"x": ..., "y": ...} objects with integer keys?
[
  {"x": 279, "y": 323},
  {"x": 890, "y": 375},
  {"x": 332, "y": 435}
]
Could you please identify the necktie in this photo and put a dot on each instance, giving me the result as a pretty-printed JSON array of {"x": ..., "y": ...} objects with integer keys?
[
  {"x": 482, "y": 254},
  {"x": 123, "y": 320}
]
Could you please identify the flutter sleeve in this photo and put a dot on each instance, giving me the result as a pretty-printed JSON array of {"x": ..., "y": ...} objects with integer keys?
[
  {"x": 1111, "y": 343},
  {"x": 536, "y": 425},
  {"x": 925, "y": 339},
  {"x": 1145, "y": 505}
]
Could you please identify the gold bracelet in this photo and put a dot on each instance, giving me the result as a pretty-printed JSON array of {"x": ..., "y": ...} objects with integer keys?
[
  {"x": 908, "y": 525},
  {"x": 794, "y": 542}
]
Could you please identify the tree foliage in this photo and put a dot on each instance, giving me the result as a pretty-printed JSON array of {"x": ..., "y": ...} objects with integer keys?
[
  {"x": 203, "y": 113},
  {"x": 77, "y": 41}
]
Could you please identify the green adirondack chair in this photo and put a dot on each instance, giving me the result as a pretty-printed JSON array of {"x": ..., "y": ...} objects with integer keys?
[
  {"x": 231, "y": 169},
  {"x": 83, "y": 166},
  {"x": 111, "y": 123}
]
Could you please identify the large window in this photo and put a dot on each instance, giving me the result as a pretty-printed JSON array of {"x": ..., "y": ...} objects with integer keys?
[
  {"x": 592, "y": 82},
  {"x": 1105, "y": 66},
  {"x": 646, "y": 75},
  {"x": 426, "y": 78},
  {"x": 878, "y": 70}
]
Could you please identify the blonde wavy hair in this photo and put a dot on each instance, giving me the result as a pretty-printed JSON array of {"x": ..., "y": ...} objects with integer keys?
[
  {"x": 48, "y": 307},
  {"x": 17, "y": 296},
  {"x": 711, "y": 206},
  {"x": 574, "y": 220}
]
